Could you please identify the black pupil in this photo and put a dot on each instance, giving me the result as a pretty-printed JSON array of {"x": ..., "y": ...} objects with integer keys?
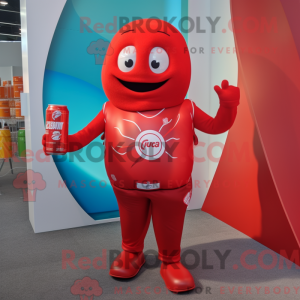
[
  {"x": 155, "y": 64},
  {"x": 129, "y": 63}
]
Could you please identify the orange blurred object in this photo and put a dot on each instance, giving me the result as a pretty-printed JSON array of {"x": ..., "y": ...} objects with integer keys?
[
  {"x": 17, "y": 103},
  {"x": 4, "y": 112},
  {"x": 2, "y": 93},
  {"x": 18, "y": 109},
  {"x": 11, "y": 103},
  {"x": 5, "y": 144},
  {"x": 8, "y": 92},
  {"x": 4, "y": 103},
  {"x": 17, "y": 79},
  {"x": 18, "y": 88},
  {"x": 4, "y": 109},
  {"x": 6, "y": 82}
]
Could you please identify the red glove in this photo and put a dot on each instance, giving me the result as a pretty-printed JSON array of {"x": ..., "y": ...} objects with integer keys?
[
  {"x": 44, "y": 144},
  {"x": 229, "y": 95}
]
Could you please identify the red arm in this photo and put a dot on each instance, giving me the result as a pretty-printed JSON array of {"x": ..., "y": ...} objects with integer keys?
[
  {"x": 87, "y": 134},
  {"x": 229, "y": 100},
  {"x": 221, "y": 123}
]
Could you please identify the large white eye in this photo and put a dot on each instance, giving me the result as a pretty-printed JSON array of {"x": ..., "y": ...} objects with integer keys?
[
  {"x": 127, "y": 58},
  {"x": 158, "y": 60}
]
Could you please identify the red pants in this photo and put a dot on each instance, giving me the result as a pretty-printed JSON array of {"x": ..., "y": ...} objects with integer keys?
[{"x": 167, "y": 208}]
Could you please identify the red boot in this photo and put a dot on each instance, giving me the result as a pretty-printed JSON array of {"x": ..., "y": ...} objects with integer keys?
[
  {"x": 177, "y": 278},
  {"x": 127, "y": 264}
]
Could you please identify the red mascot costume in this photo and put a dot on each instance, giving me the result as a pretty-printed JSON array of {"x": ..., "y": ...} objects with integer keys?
[{"x": 148, "y": 128}]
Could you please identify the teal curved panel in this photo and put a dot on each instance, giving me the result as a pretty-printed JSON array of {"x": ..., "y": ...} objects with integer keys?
[{"x": 73, "y": 78}]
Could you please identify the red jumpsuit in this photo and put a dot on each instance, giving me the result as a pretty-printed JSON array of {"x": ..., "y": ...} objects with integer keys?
[
  {"x": 149, "y": 160},
  {"x": 149, "y": 136}
]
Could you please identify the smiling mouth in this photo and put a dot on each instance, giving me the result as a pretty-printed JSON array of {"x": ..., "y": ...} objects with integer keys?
[{"x": 142, "y": 87}]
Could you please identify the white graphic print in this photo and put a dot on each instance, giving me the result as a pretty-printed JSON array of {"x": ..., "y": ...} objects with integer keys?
[
  {"x": 56, "y": 114},
  {"x": 151, "y": 116},
  {"x": 188, "y": 198},
  {"x": 165, "y": 122},
  {"x": 150, "y": 144},
  {"x": 133, "y": 123},
  {"x": 56, "y": 135},
  {"x": 148, "y": 186},
  {"x": 123, "y": 134}
]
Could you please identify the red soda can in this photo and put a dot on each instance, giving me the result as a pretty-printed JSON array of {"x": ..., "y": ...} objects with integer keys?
[{"x": 57, "y": 129}]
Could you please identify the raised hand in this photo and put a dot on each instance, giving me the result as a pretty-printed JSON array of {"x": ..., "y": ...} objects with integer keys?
[{"x": 229, "y": 95}]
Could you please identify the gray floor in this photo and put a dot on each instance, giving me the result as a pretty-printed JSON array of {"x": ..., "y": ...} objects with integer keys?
[{"x": 31, "y": 264}]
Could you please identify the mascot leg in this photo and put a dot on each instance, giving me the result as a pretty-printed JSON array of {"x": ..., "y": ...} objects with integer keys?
[
  {"x": 168, "y": 212},
  {"x": 135, "y": 214}
]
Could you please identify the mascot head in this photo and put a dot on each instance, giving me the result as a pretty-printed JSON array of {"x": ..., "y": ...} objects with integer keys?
[{"x": 149, "y": 68}]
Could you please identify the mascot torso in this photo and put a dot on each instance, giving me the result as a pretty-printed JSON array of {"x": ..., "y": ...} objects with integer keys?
[{"x": 151, "y": 149}]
